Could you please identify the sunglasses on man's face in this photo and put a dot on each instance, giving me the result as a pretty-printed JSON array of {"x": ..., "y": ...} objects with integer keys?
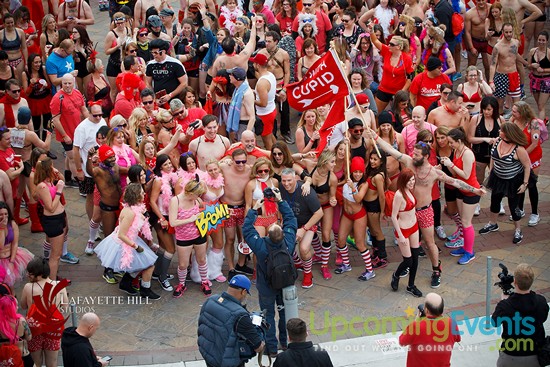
[
  {"x": 240, "y": 162},
  {"x": 96, "y": 116},
  {"x": 147, "y": 102},
  {"x": 358, "y": 131}
]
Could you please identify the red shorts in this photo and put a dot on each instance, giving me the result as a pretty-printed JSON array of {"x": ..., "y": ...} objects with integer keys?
[
  {"x": 425, "y": 217},
  {"x": 266, "y": 221},
  {"x": 269, "y": 122},
  {"x": 236, "y": 216},
  {"x": 408, "y": 232},
  {"x": 480, "y": 45},
  {"x": 43, "y": 342},
  {"x": 360, "y": 214}
]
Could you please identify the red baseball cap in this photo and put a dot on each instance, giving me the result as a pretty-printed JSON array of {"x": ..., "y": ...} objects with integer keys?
[
  {"x": 105, "y": 152},
  {"x": 259, "y": 59}
]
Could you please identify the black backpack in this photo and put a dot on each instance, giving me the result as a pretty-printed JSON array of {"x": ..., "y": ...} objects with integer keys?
[{"x": 280, "y": 272}]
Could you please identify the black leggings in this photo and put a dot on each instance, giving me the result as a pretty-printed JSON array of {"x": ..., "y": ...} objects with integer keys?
[
  {"x": 436, "y": 205},
  {"x": 496, "y": 199},
  {"x": 41, "y": 120},
  {"x": 411, "y": 263},
  {"x": 533, "y": 197},
  {"x": 284, "y": 112}
]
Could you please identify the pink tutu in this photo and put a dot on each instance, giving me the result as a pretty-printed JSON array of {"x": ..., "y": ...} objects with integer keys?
[{"x": 17, "y": 269}]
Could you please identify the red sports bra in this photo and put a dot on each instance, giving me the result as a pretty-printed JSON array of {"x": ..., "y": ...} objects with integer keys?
[{"x": 410, "y": 204}]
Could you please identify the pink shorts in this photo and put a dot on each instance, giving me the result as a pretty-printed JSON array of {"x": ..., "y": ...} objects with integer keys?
[
  {"x": 236, "y": 216},
  {"x": 425, "y": 217},
  {"x": 43, "y": 342},
  {"x": 269, "y": 122}
]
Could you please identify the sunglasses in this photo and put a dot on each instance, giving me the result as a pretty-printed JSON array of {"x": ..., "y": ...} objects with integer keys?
[
  {"x": 277, "y": 154},
  {"x": 167, "y": 122},
  {"x": 392, "y": 44},
  {"x": 446, "y": 93},
  {"x": 121, "y": 19},
  {"x": 157, "y": 52},
  {"x": 308, "y": 20},
  {"x": 259, "y": 20},
  {"x": 346, "y": 20},
  {"x": 117, "y": 129},
  {"x": 428, "y": 141},
  {"x": 16, "y": 91},
  {"x": 132, "y": 51},
  {"x": 307, "y": 5},
  {"x": 177, "y": 113},
  {"x": 148, "y": 102},
  {"x": 143, "y": 34},
  {"x": 186, "y": 154},
  {"x": 262, "y": 171},
  {"x": 100, "y": 115},
  {"x": 240, "y": 162},
  {"x": 358, "y": 131}
]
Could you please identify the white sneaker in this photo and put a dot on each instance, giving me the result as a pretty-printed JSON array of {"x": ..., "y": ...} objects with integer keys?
[
  {"x": 477, "y": 210},
  {"x": 440, "y": 231},
  {"x": 89, "y": 248},
  {"x": 502, "y": 211},
  {"x": 534, "y": 219},
  {"x": 464, "y": 54}
]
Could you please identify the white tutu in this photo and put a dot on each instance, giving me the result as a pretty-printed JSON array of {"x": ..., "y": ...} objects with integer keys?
[{"x": 110, "y": 252}]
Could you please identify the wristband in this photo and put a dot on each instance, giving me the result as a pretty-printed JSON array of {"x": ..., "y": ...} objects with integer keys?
[
  {"x": 58, "y": 193},
  {"x": 376, "y": 138}
]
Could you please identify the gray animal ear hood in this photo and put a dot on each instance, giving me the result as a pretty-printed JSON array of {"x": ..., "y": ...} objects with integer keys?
[{"x": 304, "y": 19}]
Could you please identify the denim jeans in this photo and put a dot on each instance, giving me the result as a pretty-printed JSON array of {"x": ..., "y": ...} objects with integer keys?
[{"x": 268, "y": 303}]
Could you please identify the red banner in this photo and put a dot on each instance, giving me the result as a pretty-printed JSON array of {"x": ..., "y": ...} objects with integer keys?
[
  {"x": 323, "y": 83},
  {"x": 334, "y": 117}
]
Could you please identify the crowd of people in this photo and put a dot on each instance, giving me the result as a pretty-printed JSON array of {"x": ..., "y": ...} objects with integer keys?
[{"x": 170, "y": 126}]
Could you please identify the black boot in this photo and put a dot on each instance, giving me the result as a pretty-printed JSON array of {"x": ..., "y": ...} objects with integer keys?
[
  {"x": 68, "y": 175},
  {"x": 125, "y": 285},
  {"x": 148, "y": 293}
]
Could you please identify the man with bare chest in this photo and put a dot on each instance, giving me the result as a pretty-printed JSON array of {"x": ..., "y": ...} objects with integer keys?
[
  {"x": 107, "y": 179},
  {"x": 451, "y": 114},
  {"x": 425, "y": 176},
  {"x": 278, "y": 63},
  {"x": 75, "y": 12},
  {"x": 413, "y": 8},
  {"x": 520, "y": 7},
  {"x": 474, "y": 34},
  {"x": 504, "y": 77},
  {"x": 238, "y": 174},
  {"x": 211, "y": 144}
]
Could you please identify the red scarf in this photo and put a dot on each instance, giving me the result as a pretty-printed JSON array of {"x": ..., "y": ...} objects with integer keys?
[
  {"x": 8, "y": 110},
  {"x": 269, "y": 205}
]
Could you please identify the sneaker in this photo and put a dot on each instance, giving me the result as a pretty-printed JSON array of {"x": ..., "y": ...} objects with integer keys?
[
  {"x": 126, "y": 287},
  {"x": 502, "y": 211},
  {"x": 220, "y": 279},
  {"x": 307, "y": 282},
  {"x": 288, "y": 138},
  {"x": 299, "y": 267},
  {"x": 72, "y": 184},
  {"x": 342, "y": 269},
  {"x": 369, "y": 238},
  {"x": 148, "y": 293},
  {"x": 436, "y": 279},
  {"x": 253, "y": 278},
  {"x": 118, "y": 274},
  {"x": 394, "y": 282},
  {"x": 464, "y": 54},
  {"x": 351, "y": 242},
  {"x": 456, "y": 76},
  {"x": 395, "y": 242},
  {"x": 325, "y": 272},
  {"x": 477, "y": 210},
  {"x": 178, "y": 292},
  {"x": 507, "y": 115},
  {"x": 380, "y": 263},
  {"x": 459, "y": 242},
  {"x": 404, "y": 273},
  {"x": 316, "y": 259},
  {"x": 518, "y": 211},
  {"x": 518, "y": 236},
  {"x": 156, "y": 276},
  {"x": 458, "y": 252},
  {"x": 421, "y": 253},
  {"x": 488, "y": 228},
  {"x": 440, "y": 231},
  {"x": 454, "y": 236},
  {"x": 246, "y": 270},
  {"x": 109, "y": 276},
  {"x": 69, "y": 258},
  {"x": 414, "y": 291},
  {"x": 466, "y": 258},
  {"x": 165, "y": 284},
  {"x": 534, "y": 219},
  {"x": 367, "y": 275},
  {"x": 339, "y": 260},
  {"x": 231, "y": 274},
  {"x": 89, "y": 248},
  {"x": 205, "y": 288}
]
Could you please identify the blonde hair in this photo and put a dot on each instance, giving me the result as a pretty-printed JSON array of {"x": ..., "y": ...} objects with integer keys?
[
  {"x": 163, "y": 115},
  {"x": 317, "y": 124},
  {"x": 133, "y": 120},
  {"x": 403, "y": 43},
  {"x": 325, "y": 157},
  {"x": 195, "y": 188},
  {"x": 525, "y": 111},
  {"x": 116, "y": 120}
]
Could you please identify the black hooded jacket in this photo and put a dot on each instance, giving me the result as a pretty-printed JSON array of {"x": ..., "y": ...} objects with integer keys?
[{"x": 77, "y": 350}]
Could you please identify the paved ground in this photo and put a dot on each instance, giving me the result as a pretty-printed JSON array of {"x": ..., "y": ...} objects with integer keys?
[{"x": 165, "y": 331}]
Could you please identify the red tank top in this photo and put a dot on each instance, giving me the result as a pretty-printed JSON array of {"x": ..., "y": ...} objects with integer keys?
[
  {"x": 472, "y": 180},
  {"x": 536, "y": 154}
]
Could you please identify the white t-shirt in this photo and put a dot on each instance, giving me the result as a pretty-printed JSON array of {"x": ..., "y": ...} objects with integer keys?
[{"x": 84, "y": 138}]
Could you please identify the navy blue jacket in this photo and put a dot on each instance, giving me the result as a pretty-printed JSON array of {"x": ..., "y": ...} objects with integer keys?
[{"x": 259, "y": 244}]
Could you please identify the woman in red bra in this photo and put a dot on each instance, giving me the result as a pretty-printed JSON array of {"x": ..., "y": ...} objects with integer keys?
[
  {"x": 404, "y": 221},
  {"x": 463, "y": 167},
  {"x": 474, "y": 90}
]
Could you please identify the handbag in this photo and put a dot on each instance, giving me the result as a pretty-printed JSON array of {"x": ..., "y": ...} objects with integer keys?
[{"x": 544, "y": 353}]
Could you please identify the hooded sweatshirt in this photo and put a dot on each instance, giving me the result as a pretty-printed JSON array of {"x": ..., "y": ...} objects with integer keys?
[{"x": 77, "y": 350}]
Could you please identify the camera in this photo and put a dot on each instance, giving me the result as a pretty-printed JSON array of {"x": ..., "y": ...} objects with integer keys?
[
  {"x": 269, "y": 194},
  {"x": 421, "y": 310},
  {"x": 506, "y": 280},
  {"x": 246, "y": 351}
]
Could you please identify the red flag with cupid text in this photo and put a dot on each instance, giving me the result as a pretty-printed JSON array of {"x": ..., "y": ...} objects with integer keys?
[
  {"x": 335, "y": 116},
  {"x": 323, "y": 83}
]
